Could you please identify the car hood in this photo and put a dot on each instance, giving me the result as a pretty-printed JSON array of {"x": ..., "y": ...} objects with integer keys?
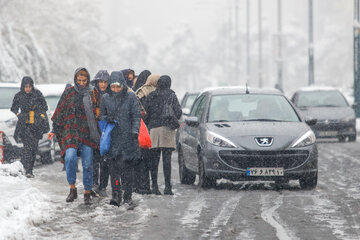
[
  {"x": 243, "y": 134},
  {"x": 6, "y": 114},
  {"x": 328, "y": 113}
]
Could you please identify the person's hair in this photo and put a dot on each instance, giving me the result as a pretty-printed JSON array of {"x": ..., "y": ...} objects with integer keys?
[{"x": 82, "y": 73}]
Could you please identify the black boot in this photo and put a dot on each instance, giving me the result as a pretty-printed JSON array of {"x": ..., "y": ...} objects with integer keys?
[
  {"x": 155, "y": 190},
  {"x": 87, "y": 199},
  {"x": 116, "y": 198},
  {"x": 72, "y": 195},
  {"x": 167, "y": 191}
]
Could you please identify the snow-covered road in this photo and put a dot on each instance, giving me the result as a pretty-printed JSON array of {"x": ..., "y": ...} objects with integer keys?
[{"x": 36, "y": 208}]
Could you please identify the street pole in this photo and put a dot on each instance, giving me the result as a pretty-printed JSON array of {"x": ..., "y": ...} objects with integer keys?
[
  {"x": 237, "y": 61},
  {"x": 311, "y": 45},
  {"x": 260, "y": 48},
  {"x": 356, "y": 58},
  {"x": 247, "y": 41},
  {"x": 279, "y": 49}
]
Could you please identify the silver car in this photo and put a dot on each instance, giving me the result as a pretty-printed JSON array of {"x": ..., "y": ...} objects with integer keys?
[{"x": 247, "y": 134}]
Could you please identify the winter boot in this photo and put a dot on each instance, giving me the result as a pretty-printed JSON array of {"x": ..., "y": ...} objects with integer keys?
[
  {"x": 72, "y": 195},
  {"x": 167, "y": 191},
  {"x": 102, "y": 192},
  {"x": 116, "y": 198},
  {"x": 155, "y": 190},
  {"x": 87, "y": 198}
]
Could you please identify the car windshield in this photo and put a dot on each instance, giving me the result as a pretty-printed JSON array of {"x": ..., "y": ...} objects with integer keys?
[
  {"x": 52, "y": 101},
  {"x": 251, "y": 107},
  {"x": 190, "y": 100},
  {"x": 6, "y": 96},
  {"x": 321, "y": 99}
]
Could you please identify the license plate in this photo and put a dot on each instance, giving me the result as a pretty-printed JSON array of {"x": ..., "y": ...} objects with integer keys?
[
  {"x": 265, "y": 171},
  {"x": 327, "y": 133}
]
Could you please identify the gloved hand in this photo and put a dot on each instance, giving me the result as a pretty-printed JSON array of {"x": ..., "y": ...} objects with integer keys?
[{"x": 110, "y": 119}]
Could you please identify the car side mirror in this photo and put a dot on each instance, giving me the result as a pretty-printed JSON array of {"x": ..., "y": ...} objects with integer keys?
[
  {"x": 310, "y": 121},
  {"x": 192, "y": 121},
  {"x": 186, "y": 111}
]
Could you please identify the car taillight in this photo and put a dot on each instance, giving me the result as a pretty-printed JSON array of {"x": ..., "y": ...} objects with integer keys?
[{"x": 1, "y": 147}]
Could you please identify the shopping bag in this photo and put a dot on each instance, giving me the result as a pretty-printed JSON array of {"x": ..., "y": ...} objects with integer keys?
[
  {"x": 105, "y": 140},
  {"x": 144, "y": 136}
]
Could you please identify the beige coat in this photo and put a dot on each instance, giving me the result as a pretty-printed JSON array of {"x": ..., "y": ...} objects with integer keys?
[
  {"x": 148, "y": 87},
  {"x": 162, "y": 137}
]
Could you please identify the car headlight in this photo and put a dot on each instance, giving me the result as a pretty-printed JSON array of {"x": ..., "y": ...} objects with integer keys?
[
  {"x": 218, "y": 140},
  {"x": 350, "y": 118},
  {"x": 307, "y": 139}
]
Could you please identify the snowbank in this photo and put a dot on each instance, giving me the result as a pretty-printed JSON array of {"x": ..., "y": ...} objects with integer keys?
[{"x": 22, "y": 206}]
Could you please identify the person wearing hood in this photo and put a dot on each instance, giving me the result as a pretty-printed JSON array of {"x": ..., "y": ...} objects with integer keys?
[
  {"x": 30, "y": 107},
  {"x": 141, "y": 80},
  {"x": 122, "y": 108},
  {"x": 129, "y": 76},
  {"x": 100, "y": 165},
  {"x": 161, "y": 130},
  {"x": 76, "y": 128}
]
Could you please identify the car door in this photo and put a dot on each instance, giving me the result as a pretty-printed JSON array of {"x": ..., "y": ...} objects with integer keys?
[{"x": 193, "y": 134}]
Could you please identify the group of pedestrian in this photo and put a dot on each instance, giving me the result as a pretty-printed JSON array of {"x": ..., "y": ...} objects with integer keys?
[{"x": 120, "y": 98}]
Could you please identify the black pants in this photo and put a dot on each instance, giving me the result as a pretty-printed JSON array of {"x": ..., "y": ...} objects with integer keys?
[
  {"x": 100, "y": 168},
  {"x": 29, "y": 152},
  {"x": 155, "y": 158},
  {"x": 124, "y": 170},
  {"x": 141, "y": 172}
]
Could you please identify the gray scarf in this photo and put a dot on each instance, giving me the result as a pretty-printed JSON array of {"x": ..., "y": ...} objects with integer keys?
[{"x": 85, "y": 92}]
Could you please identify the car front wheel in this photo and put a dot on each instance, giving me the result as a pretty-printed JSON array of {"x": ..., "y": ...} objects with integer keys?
[
  {"x": 186, "y": 177},
  {"x": 205, "y": 181}
]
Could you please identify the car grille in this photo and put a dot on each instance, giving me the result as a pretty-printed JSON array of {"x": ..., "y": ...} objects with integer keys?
[{"x": 244, "y": 159}]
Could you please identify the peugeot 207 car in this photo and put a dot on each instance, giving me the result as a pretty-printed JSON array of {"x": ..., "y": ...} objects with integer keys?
[
  {"x": 335, "y": 118},
  {"x": 246, "y": 134}
]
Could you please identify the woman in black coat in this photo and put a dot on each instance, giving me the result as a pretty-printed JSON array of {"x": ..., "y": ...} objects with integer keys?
[
  {"x": 162, "y": 130},
  {"x": 121, "y": 106},
  {"x": 32, "y": 121}
]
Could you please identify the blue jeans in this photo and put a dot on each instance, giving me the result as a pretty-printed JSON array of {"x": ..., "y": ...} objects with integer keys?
[{"x": 71, "y": 158}]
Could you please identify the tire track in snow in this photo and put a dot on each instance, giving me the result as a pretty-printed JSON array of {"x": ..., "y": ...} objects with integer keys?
[
  {"x": 270, "y": 216},
  {"x": 221, "y": 220}
]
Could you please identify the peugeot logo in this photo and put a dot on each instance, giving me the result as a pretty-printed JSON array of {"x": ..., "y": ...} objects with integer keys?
[{"x": 264, "y": 141}]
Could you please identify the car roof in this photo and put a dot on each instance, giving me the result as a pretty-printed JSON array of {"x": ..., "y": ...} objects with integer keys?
[
  {"x": 317, "y": 88},
  {"x": 51, "y": 89},
  {"x": 241, "y": 90},
  {"x": 10, "y": 84}
]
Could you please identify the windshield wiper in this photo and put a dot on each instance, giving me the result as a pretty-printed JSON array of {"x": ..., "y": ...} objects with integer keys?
[
  {"x": 263, "y": 120},
  {"x": 327, "y": 105},
  {"x": 222, "y": 120}
]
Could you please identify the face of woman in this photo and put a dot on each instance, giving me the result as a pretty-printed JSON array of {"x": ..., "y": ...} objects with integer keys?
[
  {"x": 115, "y": 88},
  {"x": 28, "y": 88},
  {"x": 81, "y": 80}
]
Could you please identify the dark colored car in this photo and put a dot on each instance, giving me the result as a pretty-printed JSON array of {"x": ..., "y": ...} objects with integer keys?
[
  {"x": 10, "y": 149},
  {"x": 238, "y": 135},
  {"x": 335, "y": 117}
]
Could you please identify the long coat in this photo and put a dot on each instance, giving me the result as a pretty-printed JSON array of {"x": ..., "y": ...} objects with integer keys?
[
  {"x": 26, "y": 102},
  {"x": 124, "y": 108}
]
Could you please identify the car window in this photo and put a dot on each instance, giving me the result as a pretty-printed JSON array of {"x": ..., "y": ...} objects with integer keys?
[
  {"x": 6, "y": 96},
  {"x": 254, "y": 107},
  {"x": 189, "y": 101},
  {"x": 52, "y": 101},
  {"x": 200, "y": 109},
  {"x": 321, "y": 99},
  {"x": 195, "y": 106}
]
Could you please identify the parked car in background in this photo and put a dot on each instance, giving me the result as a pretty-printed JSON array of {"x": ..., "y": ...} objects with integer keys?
[
  {"x": 246, "y": 134},
  {"x": 335, "y": 117},
  {"x": 186, "y": 103},
  {"x": 9, "y": 147},
  {"x": 52, "y": 93}
]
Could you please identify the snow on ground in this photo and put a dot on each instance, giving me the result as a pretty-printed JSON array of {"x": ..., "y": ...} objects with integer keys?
[{"x": 23, "y": 206}]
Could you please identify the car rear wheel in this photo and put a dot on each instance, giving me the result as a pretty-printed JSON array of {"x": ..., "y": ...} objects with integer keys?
[
  {"x": 205, "y": 181},
  {"x": 342, "y": 139},
  {"x": 186, "y": 177},
  {"x": 352, "y": 138},
  {"x": 47, "y": 157},
  {"x": 309, "y": 181}
]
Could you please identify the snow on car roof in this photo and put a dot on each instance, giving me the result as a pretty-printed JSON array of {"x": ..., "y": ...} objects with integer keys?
[
  {"x": 51, "y": 89},
  {"x": 241, "y": 89},
  {"x": 317, "y": 88},
  {"x": 8, "y": 84}
]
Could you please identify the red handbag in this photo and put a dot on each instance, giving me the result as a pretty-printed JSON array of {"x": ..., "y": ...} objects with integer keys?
[{"x": 144, "y": 136}]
